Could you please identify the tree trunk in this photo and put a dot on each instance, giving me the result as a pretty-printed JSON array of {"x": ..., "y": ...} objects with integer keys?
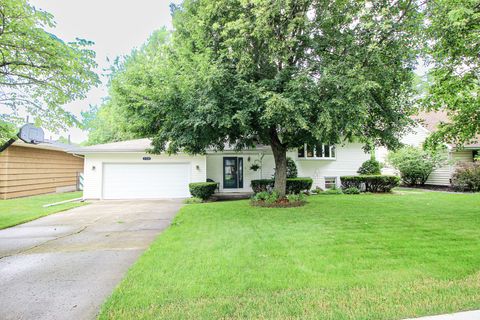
[{"x": 280, "y": 156}]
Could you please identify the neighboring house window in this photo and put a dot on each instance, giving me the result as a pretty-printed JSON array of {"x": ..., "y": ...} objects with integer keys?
[
  {"x": 330, "y": 182},
  {"x": 319, "y": 151}
]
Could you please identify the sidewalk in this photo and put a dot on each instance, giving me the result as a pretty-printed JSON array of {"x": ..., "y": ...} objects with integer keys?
[{"x": 467, "y": 315}]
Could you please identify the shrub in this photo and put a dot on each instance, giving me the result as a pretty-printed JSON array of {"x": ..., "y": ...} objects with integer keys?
[
  {"x": 370, "y": 167},
  {"x": 296, "y": 197},
  {"x": 294, "y": 185},
  {"x": 466, "y": 177},
  {"x": 262, "y": 185},
  {"x": 351, "y": 190},
  {"x": 202, "y": 190},
  {"x": 261, "y": 196},
  {"x": 298, "y": 185},
  {"x": 192, "y": 200},
  {"x": 292, "y": 171},
  {"x": 415, "y": 164},
  {"x": 273, "y": 200},
  {"x": 370, "y": 183}
]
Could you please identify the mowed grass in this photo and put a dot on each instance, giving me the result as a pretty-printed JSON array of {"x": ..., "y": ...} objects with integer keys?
[
  {"x": 339, "y": 257},
  {"x": 20, "y": 210}
]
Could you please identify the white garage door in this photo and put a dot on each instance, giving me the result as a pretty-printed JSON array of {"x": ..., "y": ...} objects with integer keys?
[{"x": 146, "y": 181}]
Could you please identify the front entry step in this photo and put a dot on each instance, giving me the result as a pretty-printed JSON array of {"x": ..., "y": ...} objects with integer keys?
[{"x": 221, "y": 196}]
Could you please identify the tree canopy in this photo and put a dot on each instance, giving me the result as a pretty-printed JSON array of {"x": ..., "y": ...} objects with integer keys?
[
  {"x": 280, "y": 73},
  {"x": 453, "y": 51},
  {"x": 39, "y": 72},
  {"x": 132, "y": 83}
]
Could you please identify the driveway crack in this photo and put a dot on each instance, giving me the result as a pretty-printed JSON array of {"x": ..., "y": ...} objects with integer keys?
[{"x": 48, "y": 241}]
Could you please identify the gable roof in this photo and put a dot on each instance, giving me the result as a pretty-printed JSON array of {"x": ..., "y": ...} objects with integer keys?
[
  {"x": 47, "y": 145},
  {"x": 138, "y": 145},
  {"x": 432, "y": 119}
]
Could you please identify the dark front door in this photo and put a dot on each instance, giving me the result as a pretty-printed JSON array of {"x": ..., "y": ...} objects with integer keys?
[{"x": 232, "y": 172}]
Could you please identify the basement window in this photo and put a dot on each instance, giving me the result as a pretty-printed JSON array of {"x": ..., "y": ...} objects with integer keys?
[{"x": 330, "y": 182}]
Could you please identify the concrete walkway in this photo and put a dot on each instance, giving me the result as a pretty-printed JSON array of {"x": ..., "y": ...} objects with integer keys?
[
  {"x": 467, "y": 315},
  {"x": 65, "y": 265}
]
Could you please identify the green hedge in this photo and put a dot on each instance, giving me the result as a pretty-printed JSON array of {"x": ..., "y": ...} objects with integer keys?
[
  {"x": 202, "y": 190},
  {"x": 370, "y": 183},
  {"x": 294, "y": 185},
  {"x": 262, "y": 185},
  {"x": 297, "y": 185}
]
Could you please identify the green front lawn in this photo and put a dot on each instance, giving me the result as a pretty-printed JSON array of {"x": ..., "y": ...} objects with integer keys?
[
  {"x": 20, "y": 210},
  {"x": 339, "y": 257}
]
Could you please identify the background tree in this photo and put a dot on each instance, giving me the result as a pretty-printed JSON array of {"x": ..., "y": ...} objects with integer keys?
[
  {"x": 453, "y": 51},
  {"x": 132, "y": 83},
  {"x": 7, "y": 131},
  {"x": 281, "y": 73},
  {"x": 105, "y": 124},
  {"x": 38, "y": 71}
]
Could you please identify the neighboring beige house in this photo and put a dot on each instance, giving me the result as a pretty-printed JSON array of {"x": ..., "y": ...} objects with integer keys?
[
  {"x": 124, "y": 170},
  {"x": 428, "y": 123},
  {"x": 32, "y": 169}
]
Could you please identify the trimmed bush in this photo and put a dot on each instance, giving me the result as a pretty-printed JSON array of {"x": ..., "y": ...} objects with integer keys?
[
  {"x": 370, "y": 167},
  {"x": 370, "y": 183},
  {"x": 262, "y": 185},
  {"x": 467, "y": 177},
  {"x": 294, "y": 185},
  {"x": 202, "y": 190},
  {"x": 351, "y": 182},
  {"x": 298, "y": 185},
  {"x": 415, "y": 164}
]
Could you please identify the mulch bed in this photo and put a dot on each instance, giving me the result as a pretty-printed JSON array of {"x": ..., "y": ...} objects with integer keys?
[
  {"x": 283, "y": 203},
  {"x": 431, "y": 187}
]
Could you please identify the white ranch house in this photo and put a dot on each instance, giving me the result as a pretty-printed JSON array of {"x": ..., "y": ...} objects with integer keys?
[{"x": 124, "y": 170}]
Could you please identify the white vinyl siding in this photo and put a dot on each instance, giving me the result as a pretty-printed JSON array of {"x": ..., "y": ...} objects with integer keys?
[
  {"x": 349, "y": 157},
  {"x": 442, "y": 175}
]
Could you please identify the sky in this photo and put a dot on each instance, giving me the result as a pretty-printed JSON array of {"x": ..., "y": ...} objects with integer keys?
[{"x": 115, "y": 26}]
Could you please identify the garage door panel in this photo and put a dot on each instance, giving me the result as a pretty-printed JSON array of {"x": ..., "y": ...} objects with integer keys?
[{"x": 146, "y": 181}]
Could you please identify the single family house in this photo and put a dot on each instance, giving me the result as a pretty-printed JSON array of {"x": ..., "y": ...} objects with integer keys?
[
  {"x": 31, "y": 169},
  {"x": 428, "y": 123},
  {"x": 125, "y": 170}
]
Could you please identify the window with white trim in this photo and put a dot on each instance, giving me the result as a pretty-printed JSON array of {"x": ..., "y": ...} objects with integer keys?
[
  {"x": 330, "y": 182},
  {"x": 319, "y": 151}
]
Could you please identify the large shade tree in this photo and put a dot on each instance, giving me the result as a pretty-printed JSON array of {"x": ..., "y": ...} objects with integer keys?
[
  {"x": 39, "y": 72},
  {"x": 280, "y": 73},
  {"x": 454, "y": 55}
]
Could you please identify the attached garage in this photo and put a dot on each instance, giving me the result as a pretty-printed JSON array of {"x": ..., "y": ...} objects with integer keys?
[
  {"x": 145, "y": 181},
  {"x": 124, "y": 170}
]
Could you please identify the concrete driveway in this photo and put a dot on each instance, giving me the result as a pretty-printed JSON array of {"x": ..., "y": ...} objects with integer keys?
[{"x": 65, "y": 265}]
